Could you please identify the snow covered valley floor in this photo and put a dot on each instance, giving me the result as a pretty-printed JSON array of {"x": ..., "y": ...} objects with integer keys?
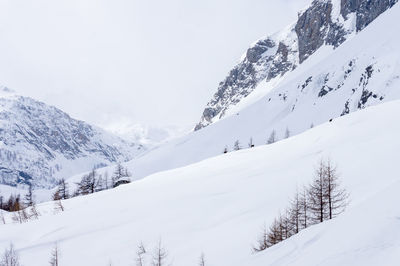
[{"x": 218, "y": 206}]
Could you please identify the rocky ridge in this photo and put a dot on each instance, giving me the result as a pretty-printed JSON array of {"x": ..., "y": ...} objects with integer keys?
[
  {"x": 40, "y": 143},
  {"x": 325, "y": 22}
]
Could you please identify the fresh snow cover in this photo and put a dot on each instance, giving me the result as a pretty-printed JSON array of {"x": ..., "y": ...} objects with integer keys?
[
  {"x": 288, "y": 36},
  {"x": 219, "y": 205},
  {"x": 269, "y": 59},
  {"x": 40, "y": 144},
  {"x": 363, "y": 71}
]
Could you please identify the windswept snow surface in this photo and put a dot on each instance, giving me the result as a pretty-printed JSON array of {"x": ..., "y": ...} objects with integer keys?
[
  {"x": 218, "y": 206},
  {"x": 362, "y": 72}
]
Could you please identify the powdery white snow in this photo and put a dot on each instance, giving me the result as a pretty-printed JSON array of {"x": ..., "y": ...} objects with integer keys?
[
  {"x": 217, "y": 206},
  {"x": 294, "y": 102}
]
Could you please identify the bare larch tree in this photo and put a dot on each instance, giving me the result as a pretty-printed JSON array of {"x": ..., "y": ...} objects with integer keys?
[
  {"x": 236, "y": 145},
  {"x": 262, "y": 241},
  {"x": 55, "y": 256},
  {"x": 287, "y": 133},
  {"x": 324, "y": 199},
  {"x": 160, "y": 255},
  {"x": 336, "y": 197},
  {"x": 316, "y": 195},
  {"x": 202, "y": 260},
  {"x": 304, "y": 209},
  {"x": 140, "y": 253},
  {"x": 272, "y": 137},
  {"x": 10, "y": 257},
  {"x": 295, "y": 213},
  {"x": 29, "y": 196},
  {"x": 63, "y": 189}
]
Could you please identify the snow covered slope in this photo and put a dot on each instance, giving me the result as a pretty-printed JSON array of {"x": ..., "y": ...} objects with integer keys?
[
  {"x": 40, "y": 143},
  {"x": 325, "y": 23},
  {"x": 363, "y": 71},
  {"x": 218, "y": 206}
]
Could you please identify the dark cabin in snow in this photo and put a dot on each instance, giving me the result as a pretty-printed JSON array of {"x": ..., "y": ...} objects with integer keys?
[{"x": 122, "y": 181}]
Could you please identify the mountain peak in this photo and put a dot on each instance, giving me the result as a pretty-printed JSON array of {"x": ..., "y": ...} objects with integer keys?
[
  {"x": 40, "y": 143},
  {"x": 323, "y": 23}
]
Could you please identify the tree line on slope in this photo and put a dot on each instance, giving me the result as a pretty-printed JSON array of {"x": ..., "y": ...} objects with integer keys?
[
  {"x": 25, "y": 209},
  {"x": 22, "y": 209},
  {"x": 271, "y": 139},
  {"x": 322, "y": 200},
  {"x": 93, "y": 182}
]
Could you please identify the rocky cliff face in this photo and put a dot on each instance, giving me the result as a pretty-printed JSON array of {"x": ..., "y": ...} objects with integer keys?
[
  {"x": 325, "y": 22},
  {"x": 366, "y": 10},
  {"x": 40, "y": 143}
]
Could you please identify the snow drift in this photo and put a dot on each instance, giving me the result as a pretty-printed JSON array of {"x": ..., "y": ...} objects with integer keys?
[{"x": 217, "y": 206}]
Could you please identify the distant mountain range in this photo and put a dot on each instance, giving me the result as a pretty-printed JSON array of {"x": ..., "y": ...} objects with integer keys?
[
  {"x": 330, "y": 62},
  {"x": 40, "y": 143}
]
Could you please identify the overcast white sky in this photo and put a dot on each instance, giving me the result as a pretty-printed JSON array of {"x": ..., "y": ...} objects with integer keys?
[{"x": 155, "y": 62}]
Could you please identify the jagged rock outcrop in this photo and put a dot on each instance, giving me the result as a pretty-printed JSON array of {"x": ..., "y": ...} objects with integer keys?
[
  {"x": 316, "y": 27},
  {"x": 243, "y": 78},
  {"x": 325, "y": 22},
  {"x": 366, "y": 10},
  {"x": 40, "y": 143}
]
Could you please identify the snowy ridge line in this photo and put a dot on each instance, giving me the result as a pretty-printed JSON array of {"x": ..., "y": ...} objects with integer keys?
[
  {"x": 40, "y": 144},
  {"x": 203, "y": 207},
  {"x": 325, "y": 23},
  {"x": 329, "y": 84}
]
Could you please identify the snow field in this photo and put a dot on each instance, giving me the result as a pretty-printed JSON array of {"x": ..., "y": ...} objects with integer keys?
[{"x": 218, "y": 206}]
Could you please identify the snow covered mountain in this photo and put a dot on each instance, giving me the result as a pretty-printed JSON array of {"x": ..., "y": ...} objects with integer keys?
[
  {"x": 326, "y": 87},
  {"x": 40, "y": 143},
  {"x": 325, "y": 23},
  {"x": 218, "y": 206},
  {"x": 363, "y": 71}
]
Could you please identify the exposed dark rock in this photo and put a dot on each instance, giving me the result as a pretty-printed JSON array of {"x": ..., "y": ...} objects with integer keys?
[
  {"x": 269, "y": 58},
  {"x": 347, "y": 73},
  {"x": 241, "y": 80},
  {"x": 315, "y": 28},
  {"x": 364, "y": 98},
  {"x": 280, "y": 64},
  {"x": 305, "y": 84},
  {"x": 336, "y": 35},
  {"x": 366, "y": 10},
  {"x": 366, "y": 94},
  {"x": 325, "y": 88},
  {"x": 324, "y": 91},
  {"x": 312, "y": 27},
  {"x": 366, "y": 76},
  {"x": 346, "y": 109},
  {"x": 255, "y": 53}
]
